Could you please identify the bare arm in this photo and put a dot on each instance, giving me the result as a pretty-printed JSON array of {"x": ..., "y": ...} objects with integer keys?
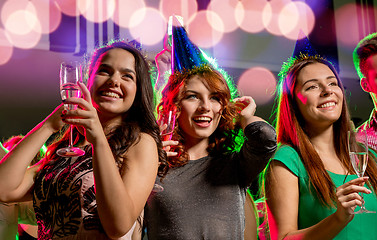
[
  {"x": 283, "y": 200},
  {"x": 16, "y": 179}
]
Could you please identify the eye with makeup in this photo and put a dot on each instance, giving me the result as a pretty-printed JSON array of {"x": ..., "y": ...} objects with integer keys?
[
  {"x": 311, "y": 87},
  {"x": 128, "y": 76},
  {"x": 103, "y": 71}
]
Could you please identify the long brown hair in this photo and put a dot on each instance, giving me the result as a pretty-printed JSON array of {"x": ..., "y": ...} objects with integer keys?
[
  {"x": 224, "y": 138},
  {"x": 139, "y": 118},
  {"x": 290, "y": 131}
]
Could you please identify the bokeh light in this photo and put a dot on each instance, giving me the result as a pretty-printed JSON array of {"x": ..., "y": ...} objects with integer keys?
[
  {"x": 226, "y": 10},
  {"x": 200, "y": 30},
  {"x": 68, "y": 7},
  {"x": 152, "y": 26},
  {"x": 125, "y": 9},
  {"x": 296, "y": 17},
  {"x": 48, "y": 13},
  {"x": 183, "y": 8},
  {"x": 347, "y": 28},
  {"x": 249, "y": 15},
  {"x": 259, "y": 83},
  {"x": 6, "y": 48},
  {"x": 97, "y": 11},
  {"x": 271, "y": 13}
]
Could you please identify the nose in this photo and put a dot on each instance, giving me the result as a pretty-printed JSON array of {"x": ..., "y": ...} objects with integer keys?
[
  {"x": 204, "y": 105},
  {"x": 113, "y": 81},
  {"x": 327, "y": 91}
]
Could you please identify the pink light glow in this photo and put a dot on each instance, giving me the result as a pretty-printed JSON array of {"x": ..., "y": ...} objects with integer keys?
[
  {"x": 259, "y": 83},
  {"x": 6, "y": 48},
  {"x": 125, "y": 9},
  {"x": 271, "y": 14},
  {"x": 250, "y": 15},
  {"x": 151, "y": 28},
  {"x": 201, "y": 32},
  {"x": 97, "y": 11},
  {"x": 226, "y": 10},
  {"x": 183, "y": 8},
  {"x": 68, "y": 7},
  {"x": 347, "y": 28},
  {"x": 48, "y": 13},
  {"x": 296, "y": 17},
  {"x": 26, "y": 41}
]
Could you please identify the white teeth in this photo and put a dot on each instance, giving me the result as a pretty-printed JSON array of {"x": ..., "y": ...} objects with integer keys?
[
  {"x": 202, "y": 119},
  {"x": 329, "y": 104},
  {"x": 111, "y": 94}
]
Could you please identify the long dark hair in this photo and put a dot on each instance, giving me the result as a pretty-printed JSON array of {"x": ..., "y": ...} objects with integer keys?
[
  {"x": 227, "y": 135},
  {"x": 139, "y": 118},
  {"x": 290, "y": 128}
]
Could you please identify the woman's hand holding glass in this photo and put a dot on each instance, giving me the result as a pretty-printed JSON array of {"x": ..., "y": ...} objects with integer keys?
[
  {"x": 358, "y": 152},
  {"x": 348, "y": 198},
  {"x": 85, "y": 116}
]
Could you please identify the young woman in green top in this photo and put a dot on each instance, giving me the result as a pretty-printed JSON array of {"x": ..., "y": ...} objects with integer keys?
[{"x": 311, "y": 188}]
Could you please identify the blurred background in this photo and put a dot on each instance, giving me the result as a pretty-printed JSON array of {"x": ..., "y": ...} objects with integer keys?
[{"x": 249, "y": 38}]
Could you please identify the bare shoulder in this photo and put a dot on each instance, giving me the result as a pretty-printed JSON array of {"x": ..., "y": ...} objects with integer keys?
[{"x": 146, "y": 146}]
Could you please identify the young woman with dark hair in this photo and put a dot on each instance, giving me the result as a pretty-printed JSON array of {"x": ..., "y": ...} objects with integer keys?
[{"x": 115, "y": 125}]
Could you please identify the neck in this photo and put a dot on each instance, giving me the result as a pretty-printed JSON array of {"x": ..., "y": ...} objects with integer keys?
[
  {"x": 197, "y": 148},
  {"x": 323, "y": 139},
  {"x": 109, "y": 123}
]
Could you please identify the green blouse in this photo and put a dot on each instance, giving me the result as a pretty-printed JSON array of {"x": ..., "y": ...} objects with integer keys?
[{"x": 311, "y": 211}]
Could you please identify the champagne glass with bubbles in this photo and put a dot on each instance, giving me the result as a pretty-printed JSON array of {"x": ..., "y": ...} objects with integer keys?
[
  {"x": 167, "y": 121},
  {"x": 358, "y": 151},
  {"x": 70, "y": 76}
]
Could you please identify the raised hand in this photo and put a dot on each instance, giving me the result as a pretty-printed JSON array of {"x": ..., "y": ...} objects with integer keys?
[
  {"x": 348, "y": 198},
  {"x": 163, "y": 64},
  {"x": 54, "y": 120},
  {"x": 246, "y": 108},
  {"x": 84, "y": 116}
]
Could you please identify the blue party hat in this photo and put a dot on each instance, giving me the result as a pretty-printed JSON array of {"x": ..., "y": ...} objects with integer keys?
[
  {"x": 303, "y": 46},
  {"x": 185, "y": 54}
]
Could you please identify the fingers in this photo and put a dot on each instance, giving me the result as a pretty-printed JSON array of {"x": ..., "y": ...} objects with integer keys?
[
  {"x": 163, "y": 127},
  {"x": 85, "y": 92},
  {"x": 167, "y": 146},
  {"x": 81, "y": 102}
]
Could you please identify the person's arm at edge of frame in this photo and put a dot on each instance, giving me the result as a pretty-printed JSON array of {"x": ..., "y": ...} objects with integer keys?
[{"x": 16, "y": 179}]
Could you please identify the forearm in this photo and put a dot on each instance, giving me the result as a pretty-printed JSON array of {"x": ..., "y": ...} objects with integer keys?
[
  {"x": 113, "y": 202},
  {"x": 13, "y": 166},
  {"x": 259, "y": 146},
  {"x": 328, "y": 228}
]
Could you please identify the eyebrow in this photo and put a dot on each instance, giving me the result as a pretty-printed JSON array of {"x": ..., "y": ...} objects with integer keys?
[
  {"x": 316, "y": 80},
  {"x": 122, "y": 69}
]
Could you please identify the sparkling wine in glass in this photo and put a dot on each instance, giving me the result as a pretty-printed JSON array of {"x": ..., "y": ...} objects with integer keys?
[
  {"x": 70, "y": 76},
  {"x": 167, "y": 122},
  {"x": 358, "y": 151}
]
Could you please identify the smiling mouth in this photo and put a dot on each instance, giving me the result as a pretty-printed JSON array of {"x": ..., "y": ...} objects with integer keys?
[
  {"x": 110, "y": 94},
  {"x": 202, "y": 119},
  {"x": 326, "y": 105}
]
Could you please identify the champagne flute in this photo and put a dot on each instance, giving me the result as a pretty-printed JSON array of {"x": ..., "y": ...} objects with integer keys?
[
  {"x": 166, "y": 134},
  {"x": 358, "y": 151},
  {"x": 70, "y": 76}
]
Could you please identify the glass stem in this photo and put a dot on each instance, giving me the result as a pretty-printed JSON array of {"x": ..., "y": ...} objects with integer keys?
[
  {"x": 362, "y": 205},
  {"x": 70, "y": 136}
]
